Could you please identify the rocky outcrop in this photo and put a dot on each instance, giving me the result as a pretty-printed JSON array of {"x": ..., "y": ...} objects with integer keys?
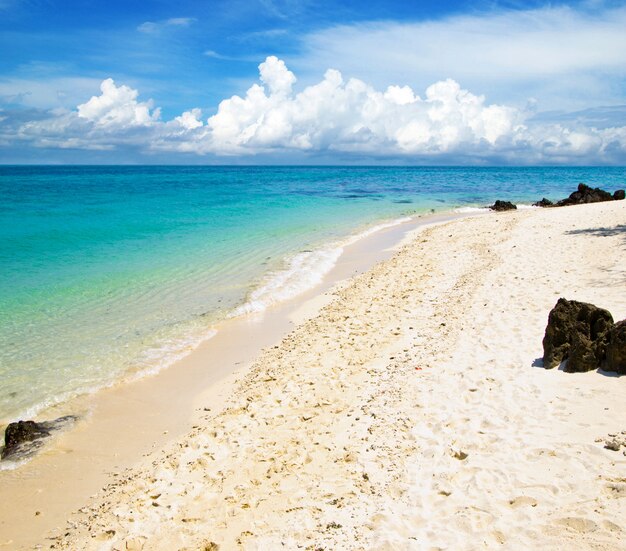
[
  {"x": 502, "y": 205},
  {"x": 576, "y": 332},
  {"x": 616, "y": 348},
  {"x": 586, "y": 194},
  {"x": 22, "y": 438},
  {"x": 543, "y": 203},
  {"x": 16, "y": 434}
]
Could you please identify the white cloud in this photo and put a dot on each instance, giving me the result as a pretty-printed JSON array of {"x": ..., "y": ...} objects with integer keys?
[
  {"x": 117, "y": 107},
  {"x": 276, "y": 76},
  {"x": 567, "y": 58},
  {"x": 353, "y": 116},
  {"x": 215, "y": 55},
  {"x": 400, "y": 94},
  {"x": 190, "y": 119},
  {"x": 180, "y": 21},
  {"x": 150, "y": 27},
  {"x": 336, "y": 117}
]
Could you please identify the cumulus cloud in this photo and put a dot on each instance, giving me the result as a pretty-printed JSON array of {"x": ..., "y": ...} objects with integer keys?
[
  {"x": 335, "y": 116},
  {"x": 276, "y": 76},
  {"x": 352, "y": 116},
  {"x": 190, "y": 119},
  {"x": 117, "y": 106}
]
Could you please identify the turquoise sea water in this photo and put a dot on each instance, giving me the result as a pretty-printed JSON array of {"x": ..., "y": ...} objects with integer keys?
[{"x": 110, "y": 271}]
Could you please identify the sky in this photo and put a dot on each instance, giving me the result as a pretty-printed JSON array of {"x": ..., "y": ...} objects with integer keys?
[{"x": 313, "y": 82}]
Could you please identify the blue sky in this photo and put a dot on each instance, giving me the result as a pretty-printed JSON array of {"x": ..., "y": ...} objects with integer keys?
[{"x": 533, "y": 83}]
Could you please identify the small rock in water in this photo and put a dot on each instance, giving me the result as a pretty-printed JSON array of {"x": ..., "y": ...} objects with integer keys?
[
  {"x": 16, "y": 434},
  {"x": 543, "y": 203},
  {"x": 23, "y": 438},
  {"x": 502, "y": 205},
  {"x": 585, "y": 194}
]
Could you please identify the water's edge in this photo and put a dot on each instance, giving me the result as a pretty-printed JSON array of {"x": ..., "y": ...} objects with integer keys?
[
  {"x": 259, "y": 306},
  {"x": 112, "y": 274},
  {"x": 128, "y": 422}
]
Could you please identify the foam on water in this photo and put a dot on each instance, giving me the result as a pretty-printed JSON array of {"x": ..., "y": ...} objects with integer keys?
[
  {"x": 12, "y": 464},
  {"x": 305, "y": 270},
  {"x": 470, "y": 210}
]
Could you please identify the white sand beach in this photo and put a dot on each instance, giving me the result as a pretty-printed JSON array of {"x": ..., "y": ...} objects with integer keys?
[{"x": 407, "y": 409}]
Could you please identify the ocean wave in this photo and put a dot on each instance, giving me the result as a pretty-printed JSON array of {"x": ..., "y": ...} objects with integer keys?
[
  {"x": 469, "y": 210},
  {"x": 11, "y": 465},
  {"x": 156, "y": 358},
  {"x": 304, "y": 271}
]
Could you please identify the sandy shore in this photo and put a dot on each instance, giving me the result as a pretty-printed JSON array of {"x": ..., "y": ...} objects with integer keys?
[
  {"x": 409, "y": 413},
  {"x": 120, "y": 425}
]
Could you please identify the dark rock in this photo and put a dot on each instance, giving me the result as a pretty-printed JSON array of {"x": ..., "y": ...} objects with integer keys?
[
  {"x": 586, "y": 194},
  {"x": 582, "y": 356},
  {"x": 616, "y": 348},
  {"x": 502, "y": 205},
  {"x": 578, "y": 332},
  {"x": 18, "y": 433},
  {"x": 543, "y": 203},
  {"x": 619, "y": 195},
  {"x": 21, "y": 439}
]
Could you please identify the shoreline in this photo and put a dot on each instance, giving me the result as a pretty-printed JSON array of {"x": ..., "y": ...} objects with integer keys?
[
  {"x": 251, "y": 306},
  {"x": 408, "y": 413},
  {"x": 403, "y": 405},
  {"x": 138, "y": 416}
]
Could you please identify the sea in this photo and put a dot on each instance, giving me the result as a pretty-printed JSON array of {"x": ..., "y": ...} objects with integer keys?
[{"x": 114, "y": 272}]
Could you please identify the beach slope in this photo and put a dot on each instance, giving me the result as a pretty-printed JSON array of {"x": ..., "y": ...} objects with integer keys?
[{"x": 411, "y": 412}]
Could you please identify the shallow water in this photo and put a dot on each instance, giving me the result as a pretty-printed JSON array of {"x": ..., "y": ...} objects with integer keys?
[{"x": 113, "y": 271}]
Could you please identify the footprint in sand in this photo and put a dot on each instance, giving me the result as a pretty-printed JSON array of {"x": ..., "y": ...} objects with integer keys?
[
  {"x": 611, "y": 526},
  {"x": 578, "y": 524}
]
